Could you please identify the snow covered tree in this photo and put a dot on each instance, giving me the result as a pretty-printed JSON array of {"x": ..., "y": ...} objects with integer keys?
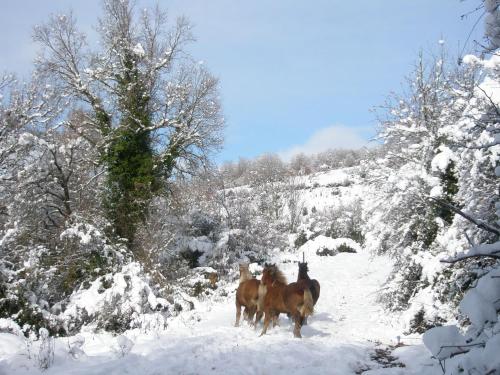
[
  {"x": 300, "y": 164},
  {"x": 422, "y": 134},
  {"x": 492, "y": 23},
  {"x": 156, "y": 110},
  {"x": 411, "y": 132}
]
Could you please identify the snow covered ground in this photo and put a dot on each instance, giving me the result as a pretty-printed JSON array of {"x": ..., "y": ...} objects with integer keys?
[{"x": 341, "y": 338}]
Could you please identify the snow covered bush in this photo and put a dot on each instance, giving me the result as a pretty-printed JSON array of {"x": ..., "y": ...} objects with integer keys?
[
  {"x": 75, "y": 347},
  {"x": 45, "y": 355},
  {"x": 346, "y": 221},
  {"x": 326, "y": 246},
  {"x": 116, "y": 302},
  {"x": 123, "y": 345}
]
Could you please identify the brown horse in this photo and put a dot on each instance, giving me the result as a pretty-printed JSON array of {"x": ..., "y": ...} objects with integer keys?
[
  {"x": 294, "y": 299},
  {"x": 313, "y": 284},
  {"x": 247, "y": 295}
]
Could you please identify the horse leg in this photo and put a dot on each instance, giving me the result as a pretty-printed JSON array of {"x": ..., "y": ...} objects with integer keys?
[
  {"x": 298, "y": 321},
  {"x": 245, "y": 313},
  {"x": 276, "y": 319},
  {"x": 258, "y": 317},
  {"x": 238, "y": 313},
  {"x": 267, "y": 320},
  {"x": 304, "y": 321},
  {"x": 250, "y": 314}
]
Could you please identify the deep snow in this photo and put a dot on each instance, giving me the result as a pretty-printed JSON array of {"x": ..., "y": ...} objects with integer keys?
[{"x": 347, "y": 326}]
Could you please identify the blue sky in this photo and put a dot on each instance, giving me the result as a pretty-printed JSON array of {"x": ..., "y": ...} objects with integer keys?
[{"x": 294, "y": 75}]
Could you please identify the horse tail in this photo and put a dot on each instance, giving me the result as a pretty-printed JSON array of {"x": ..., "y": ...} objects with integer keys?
[
  {"x": 261, "y": 295},
  {"x": 307, "y": 307},
  {"x": 315, "y": 288}
]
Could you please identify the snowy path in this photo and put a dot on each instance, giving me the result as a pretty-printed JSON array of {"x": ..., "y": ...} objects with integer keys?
[{"x": 338, "y": 340}]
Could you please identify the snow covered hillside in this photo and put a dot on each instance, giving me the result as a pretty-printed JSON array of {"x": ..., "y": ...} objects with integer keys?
[
  {"x": 332, "y": 217},
  {"x": 348, "y": 334}
]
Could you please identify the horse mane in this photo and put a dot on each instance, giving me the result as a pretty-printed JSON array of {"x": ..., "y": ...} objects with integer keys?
[{"x": 279, "y": 276}]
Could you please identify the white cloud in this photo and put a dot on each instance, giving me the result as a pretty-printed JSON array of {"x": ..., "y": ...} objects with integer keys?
[{"x": 332, "y": 137}]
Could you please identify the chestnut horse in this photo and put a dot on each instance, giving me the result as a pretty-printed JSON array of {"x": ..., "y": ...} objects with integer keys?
[
  {"x": 247, "y": 295},
  {"x": 294, "y": 299},
  {"x": 313, "y": 284}
]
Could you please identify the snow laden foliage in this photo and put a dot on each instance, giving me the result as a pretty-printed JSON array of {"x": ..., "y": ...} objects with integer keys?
[
  {"x": 146, "y": 107},
  {"x": 113, "y": 222},
  {"x": 492, "y": 23},
  {"x": 89, "y": 148},
  {"x": 475, "y": 348},
  {"x": 435, "y": 205},
  {"x": 208, "y": 229}
]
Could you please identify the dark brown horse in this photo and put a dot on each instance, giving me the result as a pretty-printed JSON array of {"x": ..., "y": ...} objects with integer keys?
[
  {"x": 294, "y": 299},
  {"x": 247, "y": 295},
  {"x": 313, "y": 284}
]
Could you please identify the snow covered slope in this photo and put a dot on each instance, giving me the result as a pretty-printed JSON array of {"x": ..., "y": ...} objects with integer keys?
[{"x": 342, "y": 337}]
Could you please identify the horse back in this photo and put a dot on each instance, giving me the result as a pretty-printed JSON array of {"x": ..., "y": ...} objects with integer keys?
[
  {"x": 294, "y": 294},
  {"x": 248, "y": 291},
  {"x": 274, "y": 298},
  {"x": 297, "y": 287}
]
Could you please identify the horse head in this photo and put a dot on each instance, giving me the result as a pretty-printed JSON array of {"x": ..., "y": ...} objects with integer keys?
[
  {"x": 268, "y": 274},
  {"x": 303, "y": 267},
  {"x": 243, "y": 267},
  {"x": 265, "y": 275}
]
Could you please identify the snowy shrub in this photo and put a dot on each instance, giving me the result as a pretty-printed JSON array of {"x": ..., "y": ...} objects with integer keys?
[
  {"x": 346, "y": 221},
  {"x": 343, "y": 248},
  {"x": 113, "y": 317},
  {"x": 201, "y": 224},
  {"x": 323, "y": 251},
  {"x": 123, "y": 346},
  {"x": 326, "y": 246},
  {"x": 421, "y": 323},
  {"x": 452, "y": 282},
  {"x": 191, "y": 257},
  {"x": 300, "y": 239},
  {"x": 405, "y": 283},
  {"x": 119, "y": 307},
  {"x": 45, "y": 357},
  {"x": 75, "y": 345}
]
